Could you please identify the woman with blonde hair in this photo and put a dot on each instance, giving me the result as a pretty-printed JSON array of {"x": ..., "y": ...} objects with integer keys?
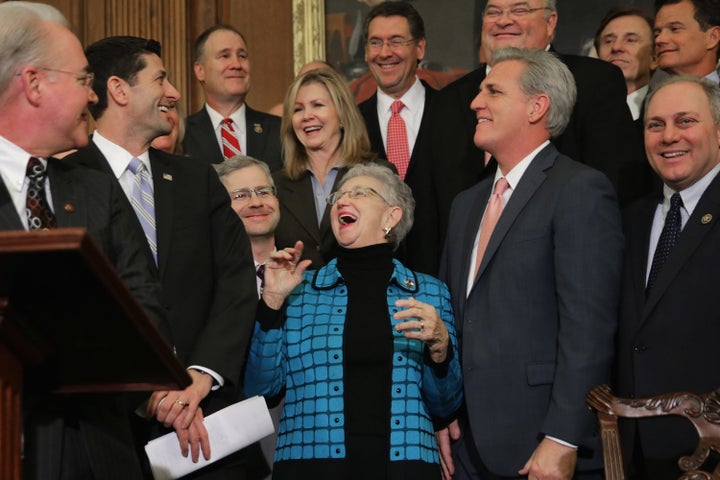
[{"x": 323, "y": 135}]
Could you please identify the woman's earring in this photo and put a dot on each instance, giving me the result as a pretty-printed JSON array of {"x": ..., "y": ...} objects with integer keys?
[{"x": 387, "y": 231}]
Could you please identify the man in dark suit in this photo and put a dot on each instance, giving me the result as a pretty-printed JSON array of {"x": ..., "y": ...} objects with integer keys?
[
  {"x": 600, "y": 131},
  {"x": 222, "y": 66},
  {"x": 45, "y": 89},
  {"x": 669, "y": 319},
  {"x": 687, "y": 37},
  {"x": 395, "y": 45},
  {"x": 198, "y": 247},
  {"x": 535, "y": 297}
]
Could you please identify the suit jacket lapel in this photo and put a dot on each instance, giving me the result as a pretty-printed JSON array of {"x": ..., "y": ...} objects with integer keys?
[
  {"x": 372, "y": 123},
  {"x": 70, "y": 210},
  {"x": 531, "y": 180},
  {"x": 698, "y": 226},
  {"x": 203, "y": 136},
  {"x": 477, "y": 209},
  {"x": 254, "y": 129},
  {"x": 301, "y": 204},
  {"x": 422, "y": 131},
  {"x": 163, "y": 172},
  {"x": 9, "y": 219},
  {"x": 639, "y": 228}
]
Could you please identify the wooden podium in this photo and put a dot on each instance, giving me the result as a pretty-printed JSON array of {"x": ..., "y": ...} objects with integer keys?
[{"x": 68, "y": 324}]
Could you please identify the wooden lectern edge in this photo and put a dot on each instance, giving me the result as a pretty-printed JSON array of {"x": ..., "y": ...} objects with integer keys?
[{"x": 79, "y": 239}]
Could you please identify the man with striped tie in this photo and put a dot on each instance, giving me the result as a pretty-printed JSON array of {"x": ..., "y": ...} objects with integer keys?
[
  {"x": 196, "y": 243},
  {"x": 226, "y": 126}
]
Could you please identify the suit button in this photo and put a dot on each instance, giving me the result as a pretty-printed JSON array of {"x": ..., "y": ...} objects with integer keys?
[
  {"x": 317, "y": 248},
  {"x": 640, "y": 348}
]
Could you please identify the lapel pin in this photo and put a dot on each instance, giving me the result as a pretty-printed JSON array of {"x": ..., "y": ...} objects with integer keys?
[
  {"x": 69, "y": 207},
  {"x": 707, "y": 218},
  {"x": 409, "y": 283},
  {"x": 167, "y": 176},
  {"x": 257, "y": 128}
]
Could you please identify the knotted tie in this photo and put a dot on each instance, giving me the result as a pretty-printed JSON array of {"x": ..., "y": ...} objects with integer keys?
[
  {"x": 490, "y": 219},
  {"x": 668, "y": 238},
  {"x": 260, "y": 272},
  {"x": 143, "y": 202},
  {"x": 230, "y": 141},
  {"x": 37, "y": 210},
  {"x": 398, "y": 152}
]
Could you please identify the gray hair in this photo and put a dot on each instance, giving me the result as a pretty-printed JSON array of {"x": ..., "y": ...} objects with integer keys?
[
  {"x": 712, "y": 91},
  {"x": 395, "y": 192},
  {"x": 239, "y": 162},
  {"x": 23, "y": 39},
  {"x": 545, "y": 74}
]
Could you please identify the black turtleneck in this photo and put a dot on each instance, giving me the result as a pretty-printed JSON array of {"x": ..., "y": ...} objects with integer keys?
[{"x": 367, "y": 342}]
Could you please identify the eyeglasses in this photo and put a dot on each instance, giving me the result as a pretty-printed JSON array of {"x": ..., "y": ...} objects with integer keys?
[
  {"x": 494, "y": 13},
  {"x": 244, "y": 194},
  {"x": 354, "y": 193},
  {"x": 86, "y": 79},
  {"x": 393, "y": 43}
]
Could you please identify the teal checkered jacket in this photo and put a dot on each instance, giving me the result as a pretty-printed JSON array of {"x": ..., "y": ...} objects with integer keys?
[{"x": 304, "y": 354}]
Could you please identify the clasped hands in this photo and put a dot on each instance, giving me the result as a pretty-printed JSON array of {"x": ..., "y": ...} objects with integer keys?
[{"x": 181, "y": 410}]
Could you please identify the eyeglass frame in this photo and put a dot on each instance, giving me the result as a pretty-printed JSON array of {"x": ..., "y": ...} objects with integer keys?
[
  {"x": 393, "y": 43},
  {"x": 512, "y": 12},
  {"x": 262, "y": 192},
  {"x": 86, "y": 79},
  {"x": 358, "y": 191}
]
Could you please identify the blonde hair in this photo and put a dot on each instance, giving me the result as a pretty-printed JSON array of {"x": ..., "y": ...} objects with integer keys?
[{"x": 354, "y": 143}]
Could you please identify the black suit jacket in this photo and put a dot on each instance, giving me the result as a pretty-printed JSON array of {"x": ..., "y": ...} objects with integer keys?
[
  {"x": 536, "y": 330},
  {"x": 600, "y": 132},
  {"x": 204, "y": 261},
  {"x": 423, "y": 242},
  {"x": 668, "y": 342},
  {"x": 263, "y": 138},
  {"x": 96, "y": 425}
]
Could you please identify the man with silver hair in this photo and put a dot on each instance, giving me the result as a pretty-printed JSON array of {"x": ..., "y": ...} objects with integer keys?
[
  {"x": 599, "y": 134},
  {"x": 532, "y": 261},
  {"x": 669, "y": 317},
  {"x": 44, "y": 94}
]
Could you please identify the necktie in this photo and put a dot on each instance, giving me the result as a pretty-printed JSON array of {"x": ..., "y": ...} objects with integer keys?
[
  {"x": 37, "y": 210},
  {"x": 230, "y": 141},
  {"x": 143, "y": 202},
  {"x": 490, "y": 219},
  {"x": 260, "y": 272},
  {"x": 398, "y": 151},
  {"x": 668, "y": 238}
]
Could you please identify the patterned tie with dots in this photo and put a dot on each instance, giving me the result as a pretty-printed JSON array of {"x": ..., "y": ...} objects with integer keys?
[
  {"x": 37, "y": 210},
  {"x": 668, "y": 239},
  {"x": 398, "y": 151}
]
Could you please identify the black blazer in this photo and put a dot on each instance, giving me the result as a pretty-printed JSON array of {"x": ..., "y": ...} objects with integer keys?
[
  {"x": 204, "y": 261},
  {"x": 669, "y": 341},
  {"x": 423, "y": 244},
  {"x": 600, "y": 133},
  {"x": 534, "y": 336},
  {"x": 263, "y": 138},
  {"x": 99, "y": 422}
]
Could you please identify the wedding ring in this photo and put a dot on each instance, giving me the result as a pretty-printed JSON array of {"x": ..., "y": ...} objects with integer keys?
[
  {"x": 181, "y": 403},
  {"x": 422, "y": 326}
]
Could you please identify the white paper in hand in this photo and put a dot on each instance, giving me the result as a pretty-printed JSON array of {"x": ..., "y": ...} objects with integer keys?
[{"x": 229, "y": 430}]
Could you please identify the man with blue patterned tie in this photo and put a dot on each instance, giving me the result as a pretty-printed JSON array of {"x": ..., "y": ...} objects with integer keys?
[
  {"x": 196, "y": 243},
  {"x": 669, "y": 319}
]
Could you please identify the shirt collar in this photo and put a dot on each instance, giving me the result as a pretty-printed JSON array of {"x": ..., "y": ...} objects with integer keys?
[
  {"x": 635, "y": 101},
  {"x": 714, "y": 77},
  {"x": 117, "y": 157},
  {"x": 238, "y": 117},
  {"x": 513, "y": 176},
  {"x": 13, "y": 164},
  {"x": 691, "y": 195},
  {"x": 413, "y": 99}
]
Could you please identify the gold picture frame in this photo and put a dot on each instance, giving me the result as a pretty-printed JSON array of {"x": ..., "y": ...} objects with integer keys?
[{"x": 308, "y": 32}]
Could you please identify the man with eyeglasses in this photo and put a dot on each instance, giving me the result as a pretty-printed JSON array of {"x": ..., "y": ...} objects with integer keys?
[
  {"x": 600, "y": 133},
  {"x": 44, "y": 95},
  {"x": 195, "y": 243},
  {"x": 254, "y": 199},
  {"x": 397, "y": 118}
]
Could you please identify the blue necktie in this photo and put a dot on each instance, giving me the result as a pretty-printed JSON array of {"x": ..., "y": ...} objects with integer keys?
[
  {"x": 668, "y": 239},
  {"x": 143, "y": 202}
]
